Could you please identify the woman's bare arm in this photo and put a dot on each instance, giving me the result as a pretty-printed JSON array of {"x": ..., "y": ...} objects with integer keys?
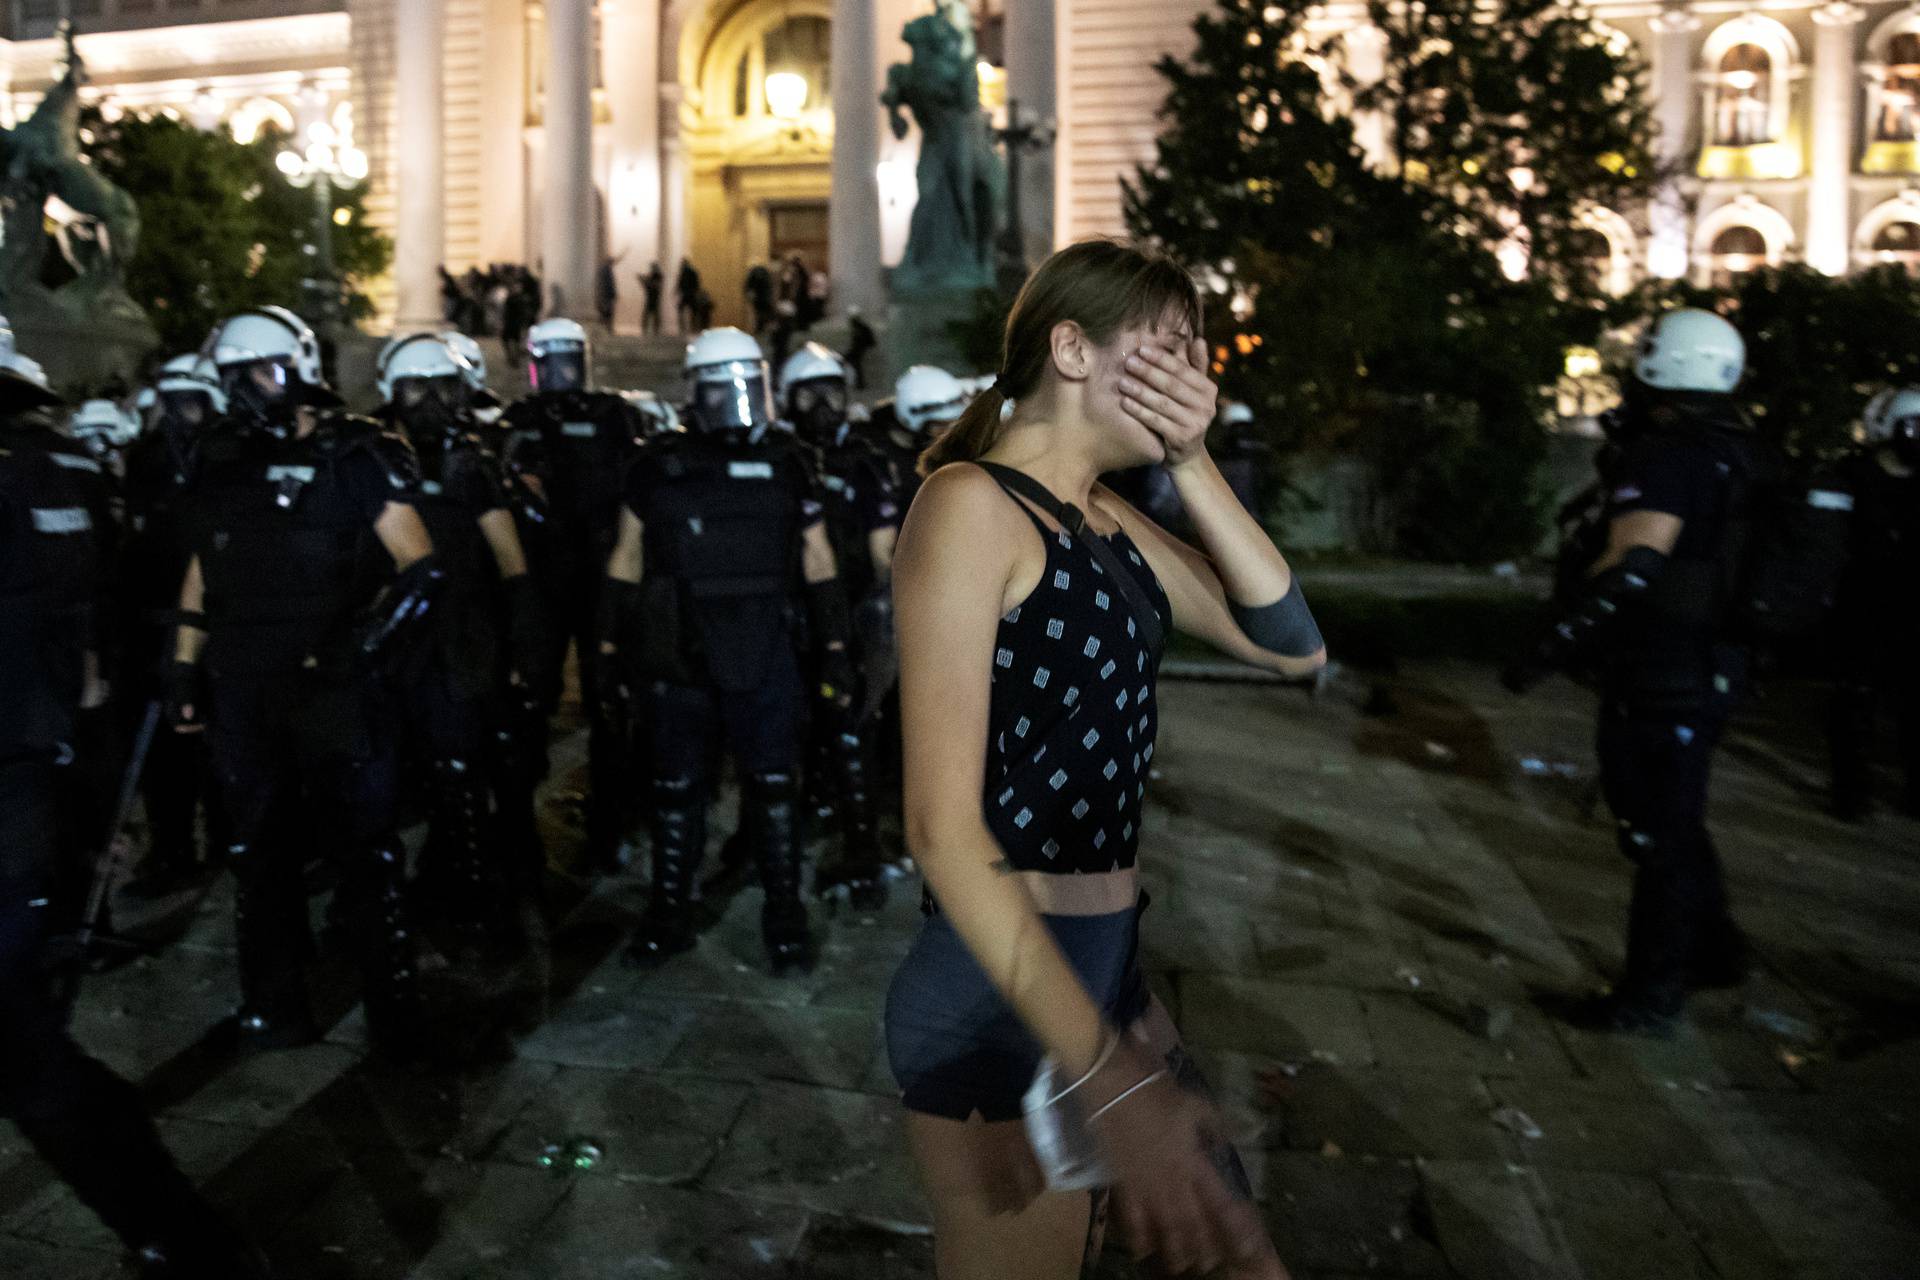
[
  {"x": 1168, "y": 390},
  {"x": 950, "y": 575}
]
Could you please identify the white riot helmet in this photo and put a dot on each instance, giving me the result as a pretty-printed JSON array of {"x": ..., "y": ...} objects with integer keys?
[
  {"x": 103, "y": 426},
  {"x": 925, "y": 398},
  {"x": 266, "y": 336},
  {"x": 469, "y": 350},
  {"x": 420, "y": 355},
  {"x": 813, "y": 362},
  {"x": 558, "y": 356},
  {"x": 188, "y": 387},
  {"x": 1691, "y": 350},
  {"x": 1236, "y": 413},
  {"x": 1887, "y": 411},
  {"x": 815, "y": 387},
  {"x": 729, "y": 388},
  {"x": 486, "y": 405},
  {"x": 661, "y": 418},
  {"x": 23, "y": 383}
]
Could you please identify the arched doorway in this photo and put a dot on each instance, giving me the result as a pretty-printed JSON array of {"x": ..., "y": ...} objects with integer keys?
[{"x": 759, "y": 142}]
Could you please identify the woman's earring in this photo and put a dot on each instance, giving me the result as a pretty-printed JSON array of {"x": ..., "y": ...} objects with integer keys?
[{"x": 1006, "y": 411}]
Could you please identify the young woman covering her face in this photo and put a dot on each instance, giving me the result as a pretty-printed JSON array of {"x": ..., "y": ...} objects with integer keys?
[{"x": 1027, "y": 687}]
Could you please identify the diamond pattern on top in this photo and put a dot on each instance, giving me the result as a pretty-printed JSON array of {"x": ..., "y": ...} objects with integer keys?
[{"x": 1056, "y": 627}]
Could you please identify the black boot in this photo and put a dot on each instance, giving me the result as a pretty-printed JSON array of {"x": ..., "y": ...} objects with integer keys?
[
  {"x": 389, "y": 963},
  {"x": 775, "y": 817},
  {"x": 270, "y": 927},
  {"x": 679, "y": 841},
  {"x": 474, "y": 893},
  {"x": 859, "y": 867}
]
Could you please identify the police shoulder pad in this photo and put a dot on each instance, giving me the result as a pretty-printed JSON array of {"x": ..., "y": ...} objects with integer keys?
[{"x": 350, "y": 434}]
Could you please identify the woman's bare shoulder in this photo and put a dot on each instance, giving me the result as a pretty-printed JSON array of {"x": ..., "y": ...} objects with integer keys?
[{"x": 957, "y": 499}]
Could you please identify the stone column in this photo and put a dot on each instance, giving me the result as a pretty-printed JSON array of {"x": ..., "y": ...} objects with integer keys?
[
  {"x": 1835, "y": 93},
  {"x": 566, "y": 219},
  {"x": 630, "y": 54},
  {"x": 853, "y": 211},
  {"x": 673, "y": 203},
  {"x": 1675, "y": 144},
  {"x": 419, "y": 230},
  {"x": 1033, "y": 82}
]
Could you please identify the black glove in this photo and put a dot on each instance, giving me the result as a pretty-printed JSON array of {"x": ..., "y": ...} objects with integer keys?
[
  {"x": 529, "y": 637},
  {"x": 387, "y": 631},
  {"x": 838, "y": 678},
  {"x": 183, "y": 688}
]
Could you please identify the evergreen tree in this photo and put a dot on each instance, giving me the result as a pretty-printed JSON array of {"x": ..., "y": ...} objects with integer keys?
[{"x": 1369, "y": 303}]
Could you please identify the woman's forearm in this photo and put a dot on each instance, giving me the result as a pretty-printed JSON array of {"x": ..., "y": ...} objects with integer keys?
[
  {"x": 1251, "y": 569},
  {"x": 995, "y": 916}
]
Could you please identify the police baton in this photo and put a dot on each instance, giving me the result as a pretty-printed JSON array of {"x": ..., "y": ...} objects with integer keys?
[{"x": 107, "y": 864}]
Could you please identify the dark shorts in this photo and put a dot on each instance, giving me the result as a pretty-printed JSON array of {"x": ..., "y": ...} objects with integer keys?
[{"x": 957, "y": 1049}]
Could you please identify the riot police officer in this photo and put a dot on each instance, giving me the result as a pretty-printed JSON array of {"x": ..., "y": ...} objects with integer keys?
[
  {"x": 863, "y": 523},
  {"x": 1877, "y": 610},
  {"x": 486, "y": 631},
  {"x": 83, "y": 1120},
  {"x": 572, "y": 446},
  {"x": 926, "y": 401},
  {"x": 105, "y": 429},
  {"x": 1651, "y": 614},
  {"x": 162, "y": 465},
  {"x": 285, "y": 629},
  {"x": 720, "y": 532},
  {"x": 1245, "y": 458}
]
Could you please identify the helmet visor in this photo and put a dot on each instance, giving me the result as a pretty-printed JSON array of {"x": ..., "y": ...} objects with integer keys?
[
  {"x": 187, "y": 408},
  {"x": 736, "y": 396},
  {"x": 447, "y": 393},
  {"x": 560, "y": 369},
  {"x": 938, "y": 417}
]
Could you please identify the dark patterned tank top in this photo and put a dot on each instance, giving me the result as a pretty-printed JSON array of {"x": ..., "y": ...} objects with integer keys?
[{"x": 1071, "y": 721}]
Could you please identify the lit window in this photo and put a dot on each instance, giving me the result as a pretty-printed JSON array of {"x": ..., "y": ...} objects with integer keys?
[
  {"x": 1736, "y": 250},
  {"x": 1898, "y": 116},
  {"x": 1898, "y": 243},
  {"x": 1742, "y": 97}
]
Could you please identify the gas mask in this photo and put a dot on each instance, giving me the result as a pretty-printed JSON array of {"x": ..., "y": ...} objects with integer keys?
[
  {"x": 818, "y": 410},
  {"x": 261, "y": 391},
  {"x": 431, "y": 407}
]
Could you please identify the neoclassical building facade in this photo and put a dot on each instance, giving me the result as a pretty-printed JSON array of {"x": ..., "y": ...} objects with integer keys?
[{"x": 565, "y": 132}]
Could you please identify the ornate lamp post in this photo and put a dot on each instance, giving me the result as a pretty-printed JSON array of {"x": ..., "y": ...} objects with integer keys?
[
  {"x": 328, "y": 160},
  {"x": 1019, "y": 136}
]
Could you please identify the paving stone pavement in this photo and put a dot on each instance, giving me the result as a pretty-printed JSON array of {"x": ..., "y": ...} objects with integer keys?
[{"x": 1352, "y": 916}]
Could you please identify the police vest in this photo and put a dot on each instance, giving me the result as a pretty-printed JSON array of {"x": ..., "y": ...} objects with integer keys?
[
  {"x": 722, "y": 525},
  {"x": 582, "y": 443},
  {"x": 459, "y": 483},
  {"x": 853, "y": 483},
  {"x": 286, "y": 546},
  {"x": 52, "y": 505}
]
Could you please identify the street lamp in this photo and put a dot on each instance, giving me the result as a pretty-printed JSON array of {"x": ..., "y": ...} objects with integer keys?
[
  {"x": 328, "y": 160},
  {"x": 1021, "y": 135}
]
